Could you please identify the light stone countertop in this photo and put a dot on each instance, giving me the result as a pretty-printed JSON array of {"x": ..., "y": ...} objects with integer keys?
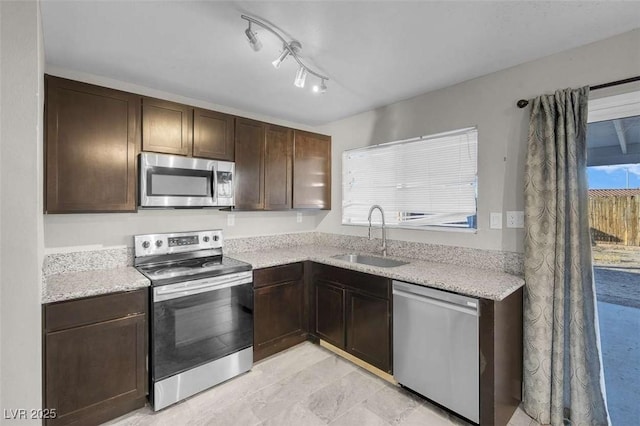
[
  {"x": 469, "y": 281},
  {"x": 75, "y": 285}
]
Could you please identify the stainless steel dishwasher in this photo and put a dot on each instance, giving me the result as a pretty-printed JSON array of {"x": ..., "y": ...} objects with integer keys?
[{"x": 435, "y": 346}]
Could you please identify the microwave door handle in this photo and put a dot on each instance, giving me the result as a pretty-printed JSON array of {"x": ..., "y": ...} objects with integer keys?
[{"x": 214, "y": 183}]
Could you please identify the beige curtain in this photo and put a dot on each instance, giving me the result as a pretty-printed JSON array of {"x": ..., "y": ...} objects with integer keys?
[{"x": 563, "y": 381}]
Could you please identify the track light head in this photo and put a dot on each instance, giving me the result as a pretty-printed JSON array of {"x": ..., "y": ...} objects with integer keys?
[
  {"x": 294, "y": 47},
  {"x": 322, "y": 88},
  {"x": 254, "y": 41},
  {"x": 301, "y": 77},
  {"x": 280, "y": 59}
]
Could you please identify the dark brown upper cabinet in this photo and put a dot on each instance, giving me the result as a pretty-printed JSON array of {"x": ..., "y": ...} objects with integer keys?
[
  {"x": 92, "y": 136},
  {"x": 166, "y": 127},
  {"x": 263, "y": 165},
  {"x": 311, "y": 171},
  {"x": 213, "y": 134},
  {"x": 278, "y": 167},
  {"x": 249, "y": 157}
]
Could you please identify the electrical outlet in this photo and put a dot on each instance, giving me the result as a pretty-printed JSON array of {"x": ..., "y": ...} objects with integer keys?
[
  {"x": 299, "y": 217},
  {"x": 496, "y": 220},
  {"x": 231, "y": 220},
  {"x": 515, "y": 219}
]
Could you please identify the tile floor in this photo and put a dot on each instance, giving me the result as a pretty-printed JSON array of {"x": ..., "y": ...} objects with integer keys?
[{"x": 304, "y": 386}]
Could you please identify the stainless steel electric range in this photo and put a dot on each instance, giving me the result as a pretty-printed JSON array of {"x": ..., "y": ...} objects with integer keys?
[{"x": 201, "y": 318}]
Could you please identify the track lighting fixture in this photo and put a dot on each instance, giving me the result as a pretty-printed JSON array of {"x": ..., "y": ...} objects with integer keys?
[
  {"x": 254, "y": 41},
  {"x": 289, "y": 48}
]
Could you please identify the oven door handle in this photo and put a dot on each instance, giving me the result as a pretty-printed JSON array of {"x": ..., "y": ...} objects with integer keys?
[{"x": 161, "y": 294}]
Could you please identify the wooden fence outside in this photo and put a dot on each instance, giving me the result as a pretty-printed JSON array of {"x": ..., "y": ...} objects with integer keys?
[{"x": 615, "y": 219}]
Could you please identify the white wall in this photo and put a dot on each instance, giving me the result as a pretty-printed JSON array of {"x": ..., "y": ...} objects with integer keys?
[
  {"x": 489, "y": 103},
  {"x": 117, "y": 229},
  {"x": 21, "y": 60}
]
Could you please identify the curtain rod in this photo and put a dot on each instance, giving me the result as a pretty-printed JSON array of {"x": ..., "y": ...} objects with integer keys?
[{"x": 523, "y": 102}]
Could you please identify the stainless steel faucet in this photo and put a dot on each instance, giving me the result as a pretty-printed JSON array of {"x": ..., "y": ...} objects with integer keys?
[{"x": 384, "y": 232}]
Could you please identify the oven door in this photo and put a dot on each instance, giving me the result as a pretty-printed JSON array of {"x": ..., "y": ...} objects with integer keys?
[
  {"x": 200, "y": 321},
  {"x": 174, "y": 181}
]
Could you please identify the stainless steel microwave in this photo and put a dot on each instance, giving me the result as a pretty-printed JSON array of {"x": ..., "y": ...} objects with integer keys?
[{"x": 172, "y": 181}]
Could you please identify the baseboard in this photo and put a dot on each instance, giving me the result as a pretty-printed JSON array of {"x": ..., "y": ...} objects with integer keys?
[{"x": 360, "y": 363}]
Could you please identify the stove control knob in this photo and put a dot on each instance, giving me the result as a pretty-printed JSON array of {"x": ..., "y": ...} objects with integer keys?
[
  {"x": 216, "y": 238},
  {"x": 145, "y": 244},
  {"x": 205, "y": 239},
  {"x": 158, "y": 243}
]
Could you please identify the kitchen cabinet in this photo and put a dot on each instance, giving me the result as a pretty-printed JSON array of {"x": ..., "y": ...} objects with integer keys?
[
  {"x": 500, "y": 332},
  {"x": 95, "y": 352},
  {"x": 278, "y": 167},
  {"x": 311, "y": 171},
  {"x": 263, "y": 166},
  {"x": 166, "y": 127},
  {"x": 91, "y": 137},
  {"x": 353, "y": 313},
  {"x": 213, "y": 135},
  {"x": 280, "y": 316},
  {"x": 249, "y": 155},
  {"x": 330, "y": 312},
  {"x": 172, "y": 128}
]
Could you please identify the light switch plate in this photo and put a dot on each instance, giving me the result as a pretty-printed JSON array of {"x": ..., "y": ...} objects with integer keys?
[
  {"x": 496, "y": 220},
  {"x": 231, "y": 220},
  {"x": 515, "y": 219},
  {"x": 299, "y": 217}
]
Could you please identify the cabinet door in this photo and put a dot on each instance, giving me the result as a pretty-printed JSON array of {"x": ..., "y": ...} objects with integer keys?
[
  {"x": 96, "y": 372},
  {"x": 311, "y": 171},
  {"x": 278, "y": 318},
  {"x": 91, "y": 142},
  {"x": 249, "y": 148},
  {"x": 213, "y": 134},
  {"x": 329, "y": 304},
  {"x": 277, "y": 168},
  {"x": 166, "y": 127},
  {"x": 369, "y": 329}
]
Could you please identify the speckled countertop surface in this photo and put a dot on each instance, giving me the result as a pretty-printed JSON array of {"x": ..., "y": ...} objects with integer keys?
[
  {"x": 464, "y": 280},
  {"x": 74, "y": 285}
]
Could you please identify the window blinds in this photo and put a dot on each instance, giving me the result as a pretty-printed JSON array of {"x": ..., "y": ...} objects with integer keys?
[{"x": 427, "y": 181}]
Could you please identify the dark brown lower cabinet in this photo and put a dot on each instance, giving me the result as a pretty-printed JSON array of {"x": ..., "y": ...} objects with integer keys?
[
  {"x": 500, "y": 358},
  {"x": 280, "y": 314},
  {"x": 330, "y": 323},
  {"x": 95, "y": 357},
  {"x": 368, "y": 329},
  {"x": 353, "y": 312}
]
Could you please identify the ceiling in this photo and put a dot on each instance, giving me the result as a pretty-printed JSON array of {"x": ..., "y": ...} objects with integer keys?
[{"x": 375, "y": 53}]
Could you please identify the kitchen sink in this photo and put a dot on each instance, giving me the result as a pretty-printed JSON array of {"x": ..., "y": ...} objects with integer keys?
[{"x": 364, "y": 259}]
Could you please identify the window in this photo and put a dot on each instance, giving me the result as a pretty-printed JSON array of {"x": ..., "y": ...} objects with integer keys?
[{"x": 423, "y": 182}]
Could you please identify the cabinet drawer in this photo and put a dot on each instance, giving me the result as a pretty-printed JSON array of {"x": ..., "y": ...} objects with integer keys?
[
  {"x": 74, "y": 313},
  {"x": 372, "y": 284},
  {"x": 277, "y": 274}
]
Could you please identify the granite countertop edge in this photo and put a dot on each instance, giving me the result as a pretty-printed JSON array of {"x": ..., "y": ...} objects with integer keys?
[
  {"x": 76, "y": 285},
  {"x": 475, "y": 282},
  {"x": 470, "y": 281}
]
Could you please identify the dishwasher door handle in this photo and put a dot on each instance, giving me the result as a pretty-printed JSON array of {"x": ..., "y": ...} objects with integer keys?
[{"x": 437, "y": 302}]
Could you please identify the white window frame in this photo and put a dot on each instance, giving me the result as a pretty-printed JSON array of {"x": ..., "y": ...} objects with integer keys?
[{"x": 352, "y": 206}]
